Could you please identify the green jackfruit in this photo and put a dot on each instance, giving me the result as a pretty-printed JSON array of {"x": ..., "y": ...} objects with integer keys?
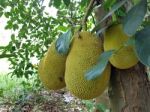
[
  {"x": 114, "y": 39},
  {"x": 84, "y": 53},
  {"x": 51, "y": 69}
]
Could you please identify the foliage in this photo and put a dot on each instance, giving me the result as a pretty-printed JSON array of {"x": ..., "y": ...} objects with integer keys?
[
  {"x": 63, "y": 42},
  {"x": 134, "y": 18},
  {"x": 103, "y": 60},
  {"x": 33, "y": 35},
  {"x": 90, "y": 105},
  {"x": 35, "y": 31},
  {"x": 12, "y": 88},
  {"x": 142, "y": 44}
]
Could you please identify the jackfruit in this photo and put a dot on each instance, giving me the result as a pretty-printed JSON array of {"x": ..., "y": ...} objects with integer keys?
[
  {"x": 84, "y": 53},
  {"x": 114, "y": 39},
  {"x": 51, "y": 69}
]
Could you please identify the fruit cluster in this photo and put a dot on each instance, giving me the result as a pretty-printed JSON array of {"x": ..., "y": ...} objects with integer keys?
[{"x": 57, "y": 71}]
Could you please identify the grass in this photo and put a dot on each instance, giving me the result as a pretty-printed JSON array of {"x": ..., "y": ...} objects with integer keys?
[
  {"x": 90, "y": 105},
  {"x": 13, "y": 88}
]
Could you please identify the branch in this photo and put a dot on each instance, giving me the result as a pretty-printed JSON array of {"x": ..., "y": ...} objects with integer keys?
[
  {"x": 2, "y": 47},
  {"x": 109, "y": 14},
  {"x": 6, "y": 55},
  {"x": 87, "y": 13}
]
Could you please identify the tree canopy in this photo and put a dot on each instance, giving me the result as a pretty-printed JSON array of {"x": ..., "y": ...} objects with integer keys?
[{"x": 36, "y": 29}]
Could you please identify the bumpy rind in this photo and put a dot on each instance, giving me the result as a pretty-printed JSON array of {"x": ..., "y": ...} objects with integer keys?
[
  {"x": 51, "y": 69},
  {"x": 115, "y": 38},
  {"x": 85, "y": 50}
]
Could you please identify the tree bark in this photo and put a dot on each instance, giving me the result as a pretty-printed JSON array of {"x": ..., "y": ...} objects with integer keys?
[{"x": 130, "y": 90}]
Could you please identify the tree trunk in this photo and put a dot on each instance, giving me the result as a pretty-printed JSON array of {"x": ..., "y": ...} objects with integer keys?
[{"x": 130, "y": 90}]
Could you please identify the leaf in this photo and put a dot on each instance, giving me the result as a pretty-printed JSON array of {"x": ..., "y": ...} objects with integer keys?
[
  {"x": 98, "y": 69},
  {"x": 9, "y": 25},
  {"x": 3, "y": 3},
  {"x": 12, "y": 37},
  {"x": 114, "y": 8},
  {"x": 101, "y": 107},
  {"x": 134, "y": 18},
  {"x": 109, "y": 3},
  {"x": 136, "y": 1},
  {"x": 1, "y": 13},
  {"x": 62, "y": 28},
  {"x": 56, "y": 3},
  {"x": 83, "y": 3},
  {"x": 15, "y": 27},
  {"x": 89, "y": 105},
  {"x": 142, "y": 43},
  {"x": 130, "y": 42},
  {"x": 66, "y": 2},
  {"x": 7, "y": 14},
  {"x": 63, "y": 42},
  {"x": 121, "y": 12}
]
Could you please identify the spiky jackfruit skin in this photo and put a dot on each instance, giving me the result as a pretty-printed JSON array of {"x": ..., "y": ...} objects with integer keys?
[
  {"x": 52, "y": 69},
  {"x": 84, "y": 53},
  {"x": 113, "y": 40}
]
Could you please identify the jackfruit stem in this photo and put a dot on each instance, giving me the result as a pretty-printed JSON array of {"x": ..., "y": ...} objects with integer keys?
[{"x": 87, "y": 13}]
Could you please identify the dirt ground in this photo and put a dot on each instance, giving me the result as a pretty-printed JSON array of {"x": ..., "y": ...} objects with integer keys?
[{"x": 45, "y": 101}]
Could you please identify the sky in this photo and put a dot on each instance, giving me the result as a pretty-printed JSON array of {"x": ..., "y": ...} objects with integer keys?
[
  {"x": 5, "y": 35},
  {"x": 4, "y": 40}
]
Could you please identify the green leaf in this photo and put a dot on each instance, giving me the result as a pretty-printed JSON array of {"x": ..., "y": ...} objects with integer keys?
[
  {"x": 134, "y": 18},
  {"x": 109, "y": 3},
  {"x": 3, "y": 3},
  {"x": 101, "y": 107},
  {"x": 114, "y": 8},
  {"x": 9, "y": 25},
  {"x": 15, "y": 27},
  {"x": 1, "y": 13},
  {"x": 63, "y": 42},
  {"x": 142, "y": 43},
  {"x": 7, "y": 14},
  {"x": 121, "y": 12},
  {"x": 84, "y": 3},
  {"x": 67, "y": 2},
  {"x": 1, "y": 92},
  {"x": 62, "y": 28},
  {"x": 136, "y": 1},
  {"x": 98, "y": 69},
  {"x": 12, "y": 37},
  {"x": 56, "y": 3},
  {"x": 130, "y": 42}
]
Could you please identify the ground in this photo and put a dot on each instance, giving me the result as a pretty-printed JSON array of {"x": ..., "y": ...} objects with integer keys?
[{"x": 45, "y": 101}]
